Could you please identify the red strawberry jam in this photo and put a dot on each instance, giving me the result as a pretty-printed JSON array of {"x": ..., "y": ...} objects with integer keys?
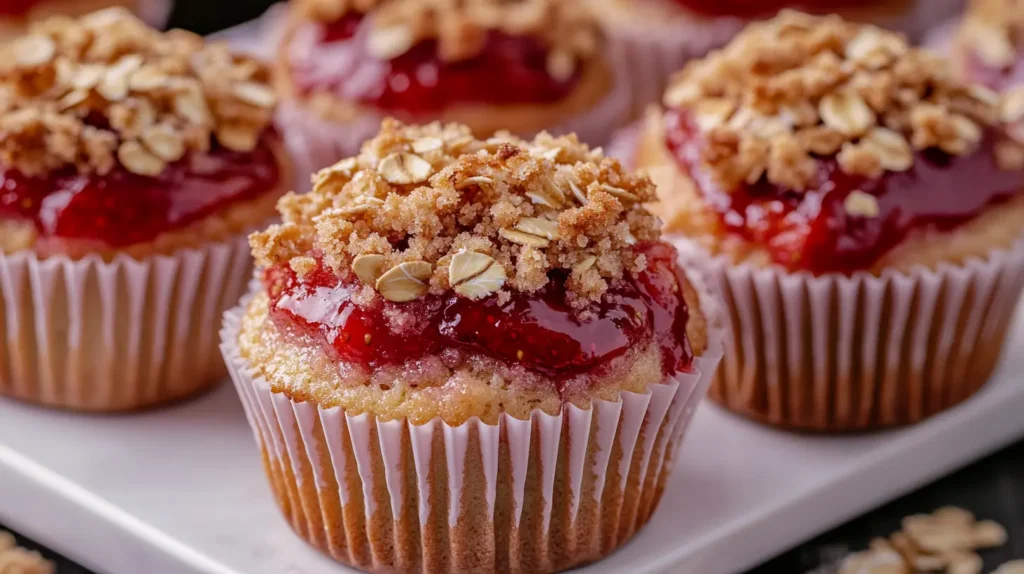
[
  {"x": 509, "y": 70},
  {"x": 759, "y": 8},
  {"x": 811, "y": 230},
  {"x": 537, "y": 330},
  {"x": 121, "y": 208},
  {"x": 17, "y": 7}
]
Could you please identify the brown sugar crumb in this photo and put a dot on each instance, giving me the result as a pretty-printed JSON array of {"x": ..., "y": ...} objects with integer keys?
[
  {"x": 430, "y": 209},
  {"x": 461, "y": 28},
  {"x": 993, "y": 31},
  {"x": 106, "y": 89},
  {"x": 800, "y": 87},
  {"x": 16, "y": 560}
]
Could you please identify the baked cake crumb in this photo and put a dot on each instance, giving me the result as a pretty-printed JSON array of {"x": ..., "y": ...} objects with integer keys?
[
  {"x": 461, "y": 28},
  {"x": 17, "y": 560},
  {"x": 105, "y": 89},
  {"x": 799, "y": 87},
  {"x": 431, "y": 209}
]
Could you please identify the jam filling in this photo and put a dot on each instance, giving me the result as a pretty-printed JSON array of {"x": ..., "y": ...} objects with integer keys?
[
  {"x": 121, "y": 208},
  {"x": 509, "y": 70},
  {"x": 536, "y": 330},
  {"x": 812, "y": 230},
  {"x": 760, "y": 8}
]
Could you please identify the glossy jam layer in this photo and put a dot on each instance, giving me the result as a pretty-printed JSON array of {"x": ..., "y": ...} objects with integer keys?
[
  {"x": 17, "y": 7},
  {"x": 509, "y": 70},
  {"x": 536, "y": 330},
  {"x": 813, "y": 231},
  {"x": 758, "y": 8},
  {"x": 121, "y": 208}
]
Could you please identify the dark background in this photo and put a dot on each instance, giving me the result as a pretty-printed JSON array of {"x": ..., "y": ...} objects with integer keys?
[{"x": 992, "y": 488}]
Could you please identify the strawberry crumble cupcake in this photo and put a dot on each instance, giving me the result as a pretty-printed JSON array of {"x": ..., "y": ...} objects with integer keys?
[
  {"x": 132, "y": 163},
  {"x": 859, "y": 208},
  {"x": 660, "y": 36},
  {"x": 468, "y": 355},
  {"x": 492, "y": 65}
]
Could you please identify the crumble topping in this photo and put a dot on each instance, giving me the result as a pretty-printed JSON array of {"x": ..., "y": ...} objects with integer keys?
[
  {"x": 993, "y": 30},
  {"x": 799, "y": 87},
  {"x": 428, "y": 209},
  {"x": 104, "y": 89},
  {"x": 461, "y": 26}
]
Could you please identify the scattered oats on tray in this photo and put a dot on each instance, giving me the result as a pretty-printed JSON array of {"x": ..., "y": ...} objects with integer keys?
[
  {"x": 17, "y": 560},
  {"x": 943, "y": 542}
]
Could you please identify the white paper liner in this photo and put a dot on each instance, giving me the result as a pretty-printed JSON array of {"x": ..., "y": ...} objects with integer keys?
[
  {"x": 112, "y": 336},
  {"x": 837, "y": 353},
  {"x": 533, "y": 495}
]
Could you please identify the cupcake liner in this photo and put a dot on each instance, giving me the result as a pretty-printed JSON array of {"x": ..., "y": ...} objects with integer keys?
[
  {"x": 654, "y": 51},
  {"x": 838, "y": 353},
  {"x": 115, "y": 336},
  {"x": 533, "y": 495}
]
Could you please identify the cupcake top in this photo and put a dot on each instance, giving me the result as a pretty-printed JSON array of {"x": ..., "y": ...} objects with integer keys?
[
  {"x": 431, "y": 210},
  {"x": 524, "y": 272},
  {"x": 828, "y": 142},
  {"x": 104, "y": 104},
  {"x": 448, "y": 60},
  {"x": 990, "y": 40}
]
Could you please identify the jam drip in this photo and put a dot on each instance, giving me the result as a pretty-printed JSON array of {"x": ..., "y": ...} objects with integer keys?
[
  {"x": 509, "y": 70},
  {"x": 536, "y": 330},
  {"x": 762, "y": 8},
  {"x": 121, "y": 208},
  {"x": 811, "y": 230}
]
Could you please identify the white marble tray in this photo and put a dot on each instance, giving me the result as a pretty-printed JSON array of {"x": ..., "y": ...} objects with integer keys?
[{"x": 182, "y": 489}]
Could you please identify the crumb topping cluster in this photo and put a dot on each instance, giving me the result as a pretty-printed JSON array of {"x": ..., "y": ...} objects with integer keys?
[
  {"x": 461, "y": 26},
  {"x": 430, "y": 209},
  {"x": 106, "y": 89},
  {"x": 994, "y": 31},
  {"x": 796, "y": 88}
]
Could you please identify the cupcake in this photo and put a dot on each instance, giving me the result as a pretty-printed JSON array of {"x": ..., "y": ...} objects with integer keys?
[
  {"x": 467, "y": 355},
  {"x": 15, "y": 15},
  {"x": 859, "y": 209},
  {"x": 491, "y": 65},
  {"x": 132, "y": 164},
  {"x": 660, "y": 36}
]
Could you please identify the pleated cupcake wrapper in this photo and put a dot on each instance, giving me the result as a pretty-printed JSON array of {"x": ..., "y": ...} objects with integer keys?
[
  {"x": 533, "y": 495},
  {"x": 837, "y": 353},
  {"x": 316, "y": 143},
  {"x": 656, "y": 51},
  {"x": 111, "y": 336}
]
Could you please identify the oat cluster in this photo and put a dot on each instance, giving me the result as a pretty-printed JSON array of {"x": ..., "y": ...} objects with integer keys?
[
  {"x": 993, "y": 31},
  {"x": 431, "y": 209},
  {"x": 461, "y": 26},
  {"x": 106, "y": 89},
  {"x": 796, "y": 88},
  {"x": 942, "y": 542},
  {"x": 16, "y": 560}
]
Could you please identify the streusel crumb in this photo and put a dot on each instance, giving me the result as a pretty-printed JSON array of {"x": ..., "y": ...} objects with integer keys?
[
  {"x": 16, "y": 560},
  {"x": 461, "y": 27},
  {"x": 105, "y": 89},
  {"x": 993, "y": 31},
  {"x": 431, "y": 209},
  {"x": 800, "y": 87}
]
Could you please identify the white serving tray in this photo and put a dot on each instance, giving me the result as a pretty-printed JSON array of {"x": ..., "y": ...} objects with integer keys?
[{"x": 182, "y": 490}]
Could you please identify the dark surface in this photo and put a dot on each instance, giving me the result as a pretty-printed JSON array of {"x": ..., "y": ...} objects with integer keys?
[{"x": 992, "y": 488}]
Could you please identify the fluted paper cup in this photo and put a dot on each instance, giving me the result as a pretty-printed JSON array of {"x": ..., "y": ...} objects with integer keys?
[
  {"x": 536, "y": 495},
  {"x": 94, "y": 335},
  {"x": 851, "y": 353}
]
